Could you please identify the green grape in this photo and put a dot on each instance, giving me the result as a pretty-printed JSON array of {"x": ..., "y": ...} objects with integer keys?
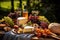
[{"x": 9, "y": 21}]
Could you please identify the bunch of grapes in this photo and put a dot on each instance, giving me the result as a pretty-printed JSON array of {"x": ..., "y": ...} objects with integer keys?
[
  {"x": 44, "y": 25},
  {"x": 9, "y": 21},
  {"x": 13, "y": 15},
  {"x": 34, "y": 19}
]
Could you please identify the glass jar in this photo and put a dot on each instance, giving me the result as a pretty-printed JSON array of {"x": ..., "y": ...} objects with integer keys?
[{"x": 25, "y": 13}]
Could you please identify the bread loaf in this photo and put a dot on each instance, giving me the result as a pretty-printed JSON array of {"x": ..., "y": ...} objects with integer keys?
[{"x": 54, "y": 27}]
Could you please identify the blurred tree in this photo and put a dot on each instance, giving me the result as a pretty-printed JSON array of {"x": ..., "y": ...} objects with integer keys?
[
  {"x": 28, "y": 6},
  {"x": 33, "y": 5},
  {"x": 20, "y": 5},
  {"x": 12, "y": 5}
]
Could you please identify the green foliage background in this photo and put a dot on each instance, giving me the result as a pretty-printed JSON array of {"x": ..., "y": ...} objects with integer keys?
[{"x": 46, "y": 8}]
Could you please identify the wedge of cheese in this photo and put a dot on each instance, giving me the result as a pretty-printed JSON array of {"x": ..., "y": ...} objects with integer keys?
[{"x": 28, "y": 29}]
